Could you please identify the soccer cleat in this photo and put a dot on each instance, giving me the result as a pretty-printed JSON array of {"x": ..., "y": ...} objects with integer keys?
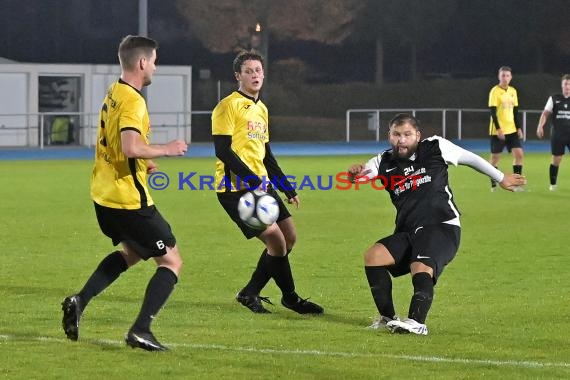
[
  {"x": 552, "y": 188},
  {"x": 407, "y": 326},
  {"x": 493, "y": 189},
  {"x": 72, "y": 310},
  {"x": 144, "y": 340},
  {"x": 381, "y": 323},
  {"x": 253, "y": 302},
  {"x": 303, "y": 306}
]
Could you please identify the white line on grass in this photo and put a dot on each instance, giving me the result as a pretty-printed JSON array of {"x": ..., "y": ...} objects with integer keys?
[{"x": 431, "y": 359}]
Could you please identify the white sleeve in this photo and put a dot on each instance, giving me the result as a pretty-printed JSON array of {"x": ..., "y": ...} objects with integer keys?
[
  {"x": 549, "y": 105},
  {"x": 372, "y": 166},
  {"x": 449, "y": 151},
  {"x": 456, "y": 155}
]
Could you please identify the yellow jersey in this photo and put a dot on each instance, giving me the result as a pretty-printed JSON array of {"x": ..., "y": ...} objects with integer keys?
[
  {"x": 246, "y": 120},
  {"x": 505, "y": 101},
  {"x": 117, "y": 181}
]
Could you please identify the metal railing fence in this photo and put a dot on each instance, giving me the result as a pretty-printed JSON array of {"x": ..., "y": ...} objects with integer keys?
[
  {"x": 447, "y": 122},
  {"x": 78, "y": 128}
]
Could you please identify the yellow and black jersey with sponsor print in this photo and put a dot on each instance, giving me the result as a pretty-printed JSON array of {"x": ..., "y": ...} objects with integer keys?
[
  {"x": 246, "y": 121},
  {"x": 505, "y": 101},
  {"x": 117, "y": 181}
]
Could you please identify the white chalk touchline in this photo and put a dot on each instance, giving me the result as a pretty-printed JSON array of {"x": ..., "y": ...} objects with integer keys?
[{"x": 418, "y": 358}]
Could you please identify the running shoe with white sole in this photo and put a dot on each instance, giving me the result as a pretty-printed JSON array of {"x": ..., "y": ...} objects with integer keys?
[{"x": 407, "y": 326}]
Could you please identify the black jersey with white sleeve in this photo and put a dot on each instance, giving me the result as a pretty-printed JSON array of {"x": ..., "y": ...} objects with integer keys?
[{"x": 419, "y": 186}]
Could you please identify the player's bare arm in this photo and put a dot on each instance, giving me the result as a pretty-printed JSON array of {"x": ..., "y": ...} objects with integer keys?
[
  {"x": 134, "y": 147},
  {"x": 151, "y": 166},
  {"x": 541, "y": 123}
]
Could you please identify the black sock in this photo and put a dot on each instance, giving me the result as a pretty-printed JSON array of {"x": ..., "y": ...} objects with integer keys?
[
  {"x": 109, "y": 269},
  {"x": 517, "y": 169},
  {"x": 157, "y": 292},
  {"x": 493, "y": 182},
  {"x": 280, "y": 270},
  {"x": 553, "y": 174},
  {"x": 259, "y": 278},
  {"x": 422, "y": 298},
  {"x": 381, "y": 287}
]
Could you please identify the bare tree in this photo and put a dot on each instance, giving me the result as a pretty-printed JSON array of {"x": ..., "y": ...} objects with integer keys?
[
  {"x": 416, "y": 24},
  {"x": 226, "y": 25}
]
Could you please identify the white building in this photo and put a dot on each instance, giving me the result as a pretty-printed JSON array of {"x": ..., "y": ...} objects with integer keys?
[{"x": 33, "y": 96}]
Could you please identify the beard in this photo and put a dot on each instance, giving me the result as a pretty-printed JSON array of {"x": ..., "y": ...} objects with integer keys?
[{"x": 403, "y": 156}]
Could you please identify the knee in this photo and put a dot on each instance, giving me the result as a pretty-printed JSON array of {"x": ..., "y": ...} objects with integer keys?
[
  {"x": 130, "y": 256},
  {"x": 178, "y": 264},
  {"x": 290, "y": 241},
  {"x": 171, "y": 260},
  {"x": 278, "y": 251},
  {"x": 276, "y": 247},
  {"x": 378, "y": 256},
  {"x": 368, "y": 258},
  {"x": 175, "y": 267},
  {"x": 371, "y": 258}
]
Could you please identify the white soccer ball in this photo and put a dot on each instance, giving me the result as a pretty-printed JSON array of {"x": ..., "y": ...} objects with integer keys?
[{"x": 258, "y": 209}]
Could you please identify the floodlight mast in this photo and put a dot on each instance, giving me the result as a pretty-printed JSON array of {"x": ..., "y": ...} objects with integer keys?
[
  {"x": 143, "y": 18},
  {"x": 143, "y": 28}
]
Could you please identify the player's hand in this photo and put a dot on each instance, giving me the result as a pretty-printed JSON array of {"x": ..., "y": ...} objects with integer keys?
[
  {"x": 151, "y": 166},
  {"x": 176, "y": 148},
  {"x": 510, "y": 181},
  {"x": 540, "y": 132},
  {"x": 520, "y": 133},
  {"x": 500, "y": 134},
  {"x": 294, "y": 201},
  {"x": 356, "y": 171}
]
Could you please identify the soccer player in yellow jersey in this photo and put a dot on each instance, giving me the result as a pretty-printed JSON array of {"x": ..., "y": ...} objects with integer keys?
[
  {"x": 125, "y": 210},
  {"x": 241, "y": 138},
  {"x": 504, "y": 126}
]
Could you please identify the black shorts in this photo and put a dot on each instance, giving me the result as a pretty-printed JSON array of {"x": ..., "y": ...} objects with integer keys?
[
  {"x": 145, "y": 230},
  {"x": 511, "y": 141},
  {"x": 559, "y": 142},
  {"x": 230, "y": 200},
  {"x": 434, "y": 245}
]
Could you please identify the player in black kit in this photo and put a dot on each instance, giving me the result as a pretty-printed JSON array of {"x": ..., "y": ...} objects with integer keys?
[
  {"x": 427, "y": 231},
  {"x": 559, "y": 107}
]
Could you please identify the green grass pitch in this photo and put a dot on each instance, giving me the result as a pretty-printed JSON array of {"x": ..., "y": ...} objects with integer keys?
[{"x": 501, "y": 308}]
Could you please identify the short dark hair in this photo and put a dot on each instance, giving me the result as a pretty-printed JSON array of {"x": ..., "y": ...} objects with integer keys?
[
  {"x": 565, "y": 77},
  {"x": 245, "y": 55},
  {"x": 132, "y": 48},
  {"x": 403, "y": 118},
  {"x": 505, "y": 68}
]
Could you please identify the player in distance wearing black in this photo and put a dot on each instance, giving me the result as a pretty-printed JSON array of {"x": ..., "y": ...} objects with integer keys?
[{"x": 557, "y": 106}]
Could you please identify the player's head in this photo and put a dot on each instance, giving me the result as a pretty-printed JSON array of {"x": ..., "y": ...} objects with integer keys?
[
  {"x": 565, "y": 82},
  {"x": 505, "y": 75},
  {"x": 248, "y": 70},
  {"x": 138, "y": 54},
  {"x": 404, "y": 135}
]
